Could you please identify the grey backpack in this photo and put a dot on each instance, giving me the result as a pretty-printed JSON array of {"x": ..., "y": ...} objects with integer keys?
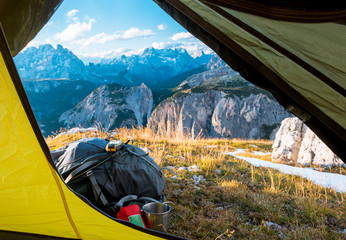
[{"x": 106, "y": 178}]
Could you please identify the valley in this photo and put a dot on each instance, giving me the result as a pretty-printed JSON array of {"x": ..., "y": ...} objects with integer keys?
[{"x": 159, "y": 88}]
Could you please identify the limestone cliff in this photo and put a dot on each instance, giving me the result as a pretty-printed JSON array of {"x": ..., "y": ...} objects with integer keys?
[
  {"x": 296, "y": 144},
  {"x": 111, "y": 106},
  {"x": 219, "y": 103}
]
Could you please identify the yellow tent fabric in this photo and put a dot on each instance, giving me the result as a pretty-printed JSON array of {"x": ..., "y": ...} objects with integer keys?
[
  {"x": 34, "y": 199},
  {"x": 302, "y": 64}
]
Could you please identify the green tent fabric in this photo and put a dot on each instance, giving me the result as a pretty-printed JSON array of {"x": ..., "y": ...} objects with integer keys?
[
  {"x": 295, "y": 49},
  {"x": 22, "y": 20},
  {"x": 300, "y": 60}
]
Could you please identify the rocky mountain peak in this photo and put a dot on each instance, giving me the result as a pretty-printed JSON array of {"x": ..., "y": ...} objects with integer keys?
[
  {"x": 111, "y": 106},
  {"x": 46, "y": 62}
]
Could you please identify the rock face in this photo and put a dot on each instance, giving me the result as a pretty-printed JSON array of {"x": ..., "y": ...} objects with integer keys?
[
  {"x": 190, "y": 113},
  {"x": 111, "y": 106},
  {"x": 45, "y": 62},
  {"x": 253, "y": 117},
  {"x": 296, "y": 144},
  {"x": 219, "y": 105}
]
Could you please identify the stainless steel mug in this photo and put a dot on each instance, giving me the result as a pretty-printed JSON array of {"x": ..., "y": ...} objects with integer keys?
[{"x": 156, "y": 215}]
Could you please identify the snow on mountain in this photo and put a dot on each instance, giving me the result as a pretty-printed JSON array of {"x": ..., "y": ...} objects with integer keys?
[
  {"x": 53, "y": 68},
  {"x": 152, "y": 66},
  {"x": 46, "y": 62}
]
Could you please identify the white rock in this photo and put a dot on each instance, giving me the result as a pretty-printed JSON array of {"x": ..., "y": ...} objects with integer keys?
[
  {"x": 272, "y": 225},
  {"x": 107, "y": 104},
  {"x": 193, "y": 168},
  {"x": 77, "y": 130},
  {"x": 182, "y": 169},
  {"x": 198, "y": 179},
  {"x": 181, "y": 158},
  {"x": 147, "y": 150},
  {"x": 211, "y": 146},
  {"x": 295, "y": 143}
]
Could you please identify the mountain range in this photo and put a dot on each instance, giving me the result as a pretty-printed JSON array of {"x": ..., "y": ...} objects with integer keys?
[
  {"x": 56, "y": 75},
  {"x": 164, "y": 89},
  {"x": 154, "y": 67}
]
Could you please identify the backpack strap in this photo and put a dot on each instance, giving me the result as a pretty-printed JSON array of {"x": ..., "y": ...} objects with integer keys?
[
  {"x": 127, "y": 198},
  {"x": 83, "y": 168},
  {"x": 99, "y": 196},
  {"x": 148, "y": 199}
]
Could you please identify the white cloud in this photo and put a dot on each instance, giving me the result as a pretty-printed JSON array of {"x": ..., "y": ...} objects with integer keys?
[
  {"x": 74, "y": 30},
  {"x": 48, "y": 41},
  {"x": 32, "y": 44},
  {"x": 98, "y": 38},
  {"x": 161, "y": 45},
  {"x": 191, "y": 47},
  {"x": 104, "y": 37},
  {"x": 96, "y": 57},
  {"x": 136, "y": 32},
  {"x": 70, "y": 14},
  {"x": 106, "y": 54},
  {"x": 181, "y": 35},
  {"x": 161, "y": 26}
]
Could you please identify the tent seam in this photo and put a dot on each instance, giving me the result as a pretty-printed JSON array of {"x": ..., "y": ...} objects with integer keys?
[
  {"x": 67, "y": 209},
  {"x": 12, "y": 71},
  {"x": 325, "y": 79},
  {"x": 306, "y": 12}
]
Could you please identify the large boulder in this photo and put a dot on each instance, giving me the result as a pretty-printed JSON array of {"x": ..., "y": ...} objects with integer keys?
[{"x": 296, "y": 144}]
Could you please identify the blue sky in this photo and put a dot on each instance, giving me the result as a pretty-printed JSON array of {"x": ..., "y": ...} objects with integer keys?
[{"x": 110, "y": 28}]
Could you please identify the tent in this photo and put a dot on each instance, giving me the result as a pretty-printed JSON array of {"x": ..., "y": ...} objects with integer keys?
[{"x": 294, "y": 49}]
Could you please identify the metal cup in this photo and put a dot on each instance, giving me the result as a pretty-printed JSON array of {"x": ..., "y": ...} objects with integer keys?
[{"x": 156, "y": 216}]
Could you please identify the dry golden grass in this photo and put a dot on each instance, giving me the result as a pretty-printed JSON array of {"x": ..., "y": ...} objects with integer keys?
[{"x": 235, "y": 200}]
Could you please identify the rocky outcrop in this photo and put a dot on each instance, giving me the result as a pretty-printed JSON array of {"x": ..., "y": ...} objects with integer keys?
[
  {"x": 187, "y": 113},
  {"x": 111, "y": 106},
  {"x": 214, "y": 114},
  {"x": 252, "y": 117},
  {"x": 140, "y": 100},
  {"x": 296, "y": 144},
  {"x": 200, "y": 78},
  {"x": 219, "y": 103}
]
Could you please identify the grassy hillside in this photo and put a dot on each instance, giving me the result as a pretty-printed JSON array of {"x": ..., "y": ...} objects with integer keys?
[{"x": 222, "y": 197}]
